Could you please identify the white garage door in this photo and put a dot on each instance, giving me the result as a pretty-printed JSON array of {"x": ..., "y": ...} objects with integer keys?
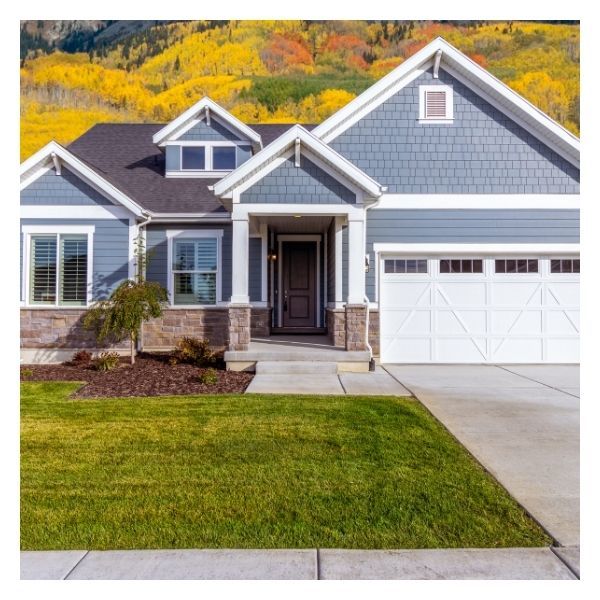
[{"x": 474, "y": 309}]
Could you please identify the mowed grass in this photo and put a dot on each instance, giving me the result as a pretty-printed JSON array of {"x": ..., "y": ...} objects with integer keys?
[{"x": 252, "y": 472}]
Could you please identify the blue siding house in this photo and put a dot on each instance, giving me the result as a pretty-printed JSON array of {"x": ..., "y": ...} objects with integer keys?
[{"x": 435, "y": 218}]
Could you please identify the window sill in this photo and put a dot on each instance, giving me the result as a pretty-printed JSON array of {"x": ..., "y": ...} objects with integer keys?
[
  {"x": 436, "y": 121},
  {"x": 54, "y": 307}
]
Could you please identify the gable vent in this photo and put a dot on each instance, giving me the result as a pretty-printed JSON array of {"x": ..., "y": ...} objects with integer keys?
[{"x": 435, "y": 105}]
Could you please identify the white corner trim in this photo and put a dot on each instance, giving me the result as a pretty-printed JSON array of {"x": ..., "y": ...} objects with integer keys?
[
  {"x": 192, "y": 113},
  {"x": 449, "y": 98},
  {"x": 28, "y": 231},
  {"x": 264, "y": 247},
  {"x": 477, "y": 201},
  {"x": 173, "y": 234},
  {"x": 402, "y": 248}
]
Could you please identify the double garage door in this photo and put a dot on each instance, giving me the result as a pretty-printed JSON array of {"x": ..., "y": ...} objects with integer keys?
[{"x": 474, "y": 309}]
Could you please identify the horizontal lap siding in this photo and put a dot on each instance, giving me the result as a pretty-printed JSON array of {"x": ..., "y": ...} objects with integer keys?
[
  {"x": 307, "y": 184},
  {"x": 156, "y": 245},
  {"x": 468, "y": 226},
  {"x": 111, "y": 251},
  {"x": 60, "y": 190},
  {"x": 482, "y": 151}
]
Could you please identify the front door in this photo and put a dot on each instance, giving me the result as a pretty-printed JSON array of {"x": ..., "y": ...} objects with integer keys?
[{"x": 299, "y": 284}]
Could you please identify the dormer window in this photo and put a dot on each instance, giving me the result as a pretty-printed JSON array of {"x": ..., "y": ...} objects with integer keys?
[
  {"x": 193, "y": 158},
  {"x": 204, "y": 159},
  {"x": 223, "y": 158},
  {"x": 436, "y": 104}
]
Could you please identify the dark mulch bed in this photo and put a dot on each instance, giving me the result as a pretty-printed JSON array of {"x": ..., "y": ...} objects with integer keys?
[{"x": 151, "y": 375}]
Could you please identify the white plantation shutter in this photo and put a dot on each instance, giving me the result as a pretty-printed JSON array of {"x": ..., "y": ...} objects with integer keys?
[
  {"x": 195, "y": 271},
  {"x": 435, "y": 105},
  {"x": 73, "y": 280},
  {"x": 43, "y": 269}
]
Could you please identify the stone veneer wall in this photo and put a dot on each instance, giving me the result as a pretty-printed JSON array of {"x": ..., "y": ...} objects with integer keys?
[
  {"x": 336, "y": 328},
  {"x": 239, "y": 327},
  {"x": 57, "y": 328},
  {"x": 63, "y": 328}
]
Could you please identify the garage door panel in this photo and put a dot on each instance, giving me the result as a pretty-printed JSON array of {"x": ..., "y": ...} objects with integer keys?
[
  {"x": 515, "y": 293},
  {"x": 461, "y": 292},
  {"x": 467, "y": 349},
  {"x": 480, "y": 317},
  {"x": 517, "y": 350},
  {"x": 563, "y": 321},
  {"x": 561, "y": 350},
  {"x": 461, "y": 321},
  {"x": 517, "y": 322}
]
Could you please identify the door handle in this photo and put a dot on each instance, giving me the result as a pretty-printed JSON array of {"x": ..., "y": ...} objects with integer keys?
[{"x": 285, "y": 298}]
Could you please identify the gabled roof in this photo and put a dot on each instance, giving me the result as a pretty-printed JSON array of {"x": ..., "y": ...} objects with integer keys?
[
  {"x": 53, "y": 152},
  {"x": 345, "y": 169},
  {"x": 124, "y": 154},
  {"x": 197, "y": 111},
  {"x": 471, "y": 74}
]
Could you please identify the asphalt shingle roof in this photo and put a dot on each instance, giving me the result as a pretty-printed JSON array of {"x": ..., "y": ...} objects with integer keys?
[{"x": 126, "y": 157}]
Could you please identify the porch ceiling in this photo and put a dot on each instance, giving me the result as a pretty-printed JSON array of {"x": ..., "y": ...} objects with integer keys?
[{"x": 291, "y": 224}]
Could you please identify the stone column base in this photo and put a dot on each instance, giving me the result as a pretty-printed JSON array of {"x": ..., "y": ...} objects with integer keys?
[
  {"x": 356, "y": 323},
  {"x": 239, "y": 327}
]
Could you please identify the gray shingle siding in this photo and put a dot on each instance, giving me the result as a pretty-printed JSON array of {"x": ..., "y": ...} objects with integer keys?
[
  {"x": 307, "y": 184},
  {"x": 468, "y": 226},
  {"x": 482, "y": 151},
  {"x": 156, "y": 246},
  {"x": 64, "y": 189},
  {"x": 201, "y": 132},
  {"x": 110, "y": 262}
]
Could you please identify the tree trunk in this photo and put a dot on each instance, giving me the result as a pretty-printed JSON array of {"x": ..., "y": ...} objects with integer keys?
[{"x": 132, "y": 348}]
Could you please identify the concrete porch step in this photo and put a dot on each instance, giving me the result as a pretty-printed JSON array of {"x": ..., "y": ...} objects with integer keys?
[{"x": 296, "y": 367}]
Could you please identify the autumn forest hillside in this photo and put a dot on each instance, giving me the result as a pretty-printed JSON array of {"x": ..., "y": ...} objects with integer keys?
[{"x": 269, "y": 71}]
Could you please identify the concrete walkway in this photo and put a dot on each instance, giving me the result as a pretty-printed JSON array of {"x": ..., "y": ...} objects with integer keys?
[
  {"x": 377, "y": 383},
  {"x": 521, "y": 422},
  {"x": 510, "y": 563}
]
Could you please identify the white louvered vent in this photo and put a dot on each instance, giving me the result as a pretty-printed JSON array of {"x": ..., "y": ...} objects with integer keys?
[{"x": 435, "y": 105}]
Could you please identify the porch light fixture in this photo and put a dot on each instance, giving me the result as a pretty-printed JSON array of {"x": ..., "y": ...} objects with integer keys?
[
  {"x": 367, "y": 262},
  {"x": 297, "y": 216},
  {"x": 272, "y": 256}
]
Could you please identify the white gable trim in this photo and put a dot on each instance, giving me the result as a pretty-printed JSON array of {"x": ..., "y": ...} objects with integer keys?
[
  {"x": 192, "y": 115},
  {"x": 530, "y": 117},
  {"x": 346, "y": 170},
  {"x": 80, "y": 169}
]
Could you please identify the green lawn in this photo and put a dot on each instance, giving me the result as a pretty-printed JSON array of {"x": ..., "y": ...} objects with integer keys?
[{"x": 252, "y": 472}]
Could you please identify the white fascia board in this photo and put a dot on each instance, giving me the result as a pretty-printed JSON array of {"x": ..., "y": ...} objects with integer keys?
[
  {"x": 351, "y": 211},
  {"x": 191, "y": 113},
  {"x": 476, "y": 201},
  {"x": 224, "y": 187},
  {"x": 473, "y": 249},
  {"x": 82, "y": 170},
  {"x": 414, "y": 66},
  {"x": 97, "y": 212}
]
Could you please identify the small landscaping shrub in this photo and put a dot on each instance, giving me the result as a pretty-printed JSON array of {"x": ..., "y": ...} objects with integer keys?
[
  {"x": 208, "y": 377},
  {"x": 107, "y": 361},
  {"x": 26, "y": 373},
  {"x": 192, "y": 351},
  {"x": 83, "y": 358}
]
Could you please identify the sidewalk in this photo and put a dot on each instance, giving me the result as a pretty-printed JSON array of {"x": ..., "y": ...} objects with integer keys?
[{"x": 505, "y": 563}]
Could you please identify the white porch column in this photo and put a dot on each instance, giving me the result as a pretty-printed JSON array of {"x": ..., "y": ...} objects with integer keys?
[
  {"x": 239, "y": 260},
  {"x": 356, "y": 259}
]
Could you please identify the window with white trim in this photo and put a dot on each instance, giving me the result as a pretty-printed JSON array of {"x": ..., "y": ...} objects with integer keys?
[
  {"x": 516, "y": 265},
  {"x": 205, "y": 159},
  {"x": 195, "y": 270},
  {"x": 405, "y": 265},
  {"x": 461, "y": 265},
  {"x": 436, "y": 104},
  {"x": 58, "y": 269},
  {"x": 564, "y": 265}
]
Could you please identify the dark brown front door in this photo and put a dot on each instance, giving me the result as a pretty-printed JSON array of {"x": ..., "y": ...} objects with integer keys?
[{"x": 299, "y": 284}]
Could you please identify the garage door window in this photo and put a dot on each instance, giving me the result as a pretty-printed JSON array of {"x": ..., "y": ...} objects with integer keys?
[
  {"x": 516, "y": 265},
  {"x": 411, "y": 265},
  {"x": 564, "y": 265},
  {"x": 461, "y": 265}
]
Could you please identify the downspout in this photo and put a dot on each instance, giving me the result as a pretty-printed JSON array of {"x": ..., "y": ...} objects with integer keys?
[{"x": 366, "y": 298}]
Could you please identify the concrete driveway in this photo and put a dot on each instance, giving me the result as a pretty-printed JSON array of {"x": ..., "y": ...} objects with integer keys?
[{"x": 521, "y": 422}]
